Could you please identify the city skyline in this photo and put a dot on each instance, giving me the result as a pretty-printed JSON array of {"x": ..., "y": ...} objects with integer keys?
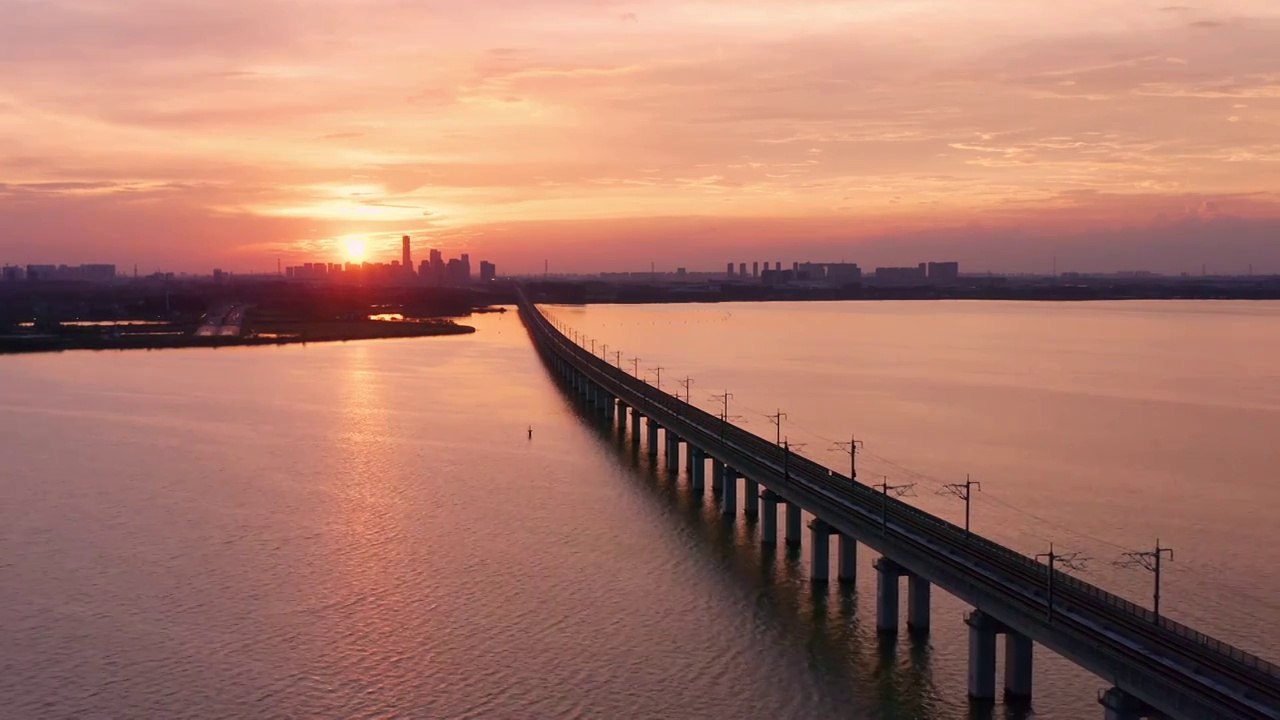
[{"x": 1110, "y": 135}]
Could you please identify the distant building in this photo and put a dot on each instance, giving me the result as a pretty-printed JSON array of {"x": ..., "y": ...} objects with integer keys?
[
  {"x": 218, "y": 276},
  {"x": 777, "y": 267},
  {"x": 406, "y": 260},
  {"x": 98, "y": 273},
  {"x": 12, "y": 273},
  {"x": 776, "y": 277},
  {"x": 488, "y": 271},
  {"x": 742, "y": 269},
  {"x": 809, "y": 271},
  {"x": 729, "y": 270},
  {"x": 903, "y": 276},
  {"x": 439, "y": 271},
  {"x": 755, "y": 269},
  {"x": 41, "y": 272},
  {"x": 944, "y": 272},
  {"x": 458, "y": 272},
  {"x": 844, "y": 273}
]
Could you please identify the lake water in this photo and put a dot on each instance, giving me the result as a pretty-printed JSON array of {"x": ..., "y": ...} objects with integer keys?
[{"x": 364, "y": 530}]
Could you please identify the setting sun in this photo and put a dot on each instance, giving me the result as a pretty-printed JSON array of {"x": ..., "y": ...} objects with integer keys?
[{"x": 354, "y": 249}]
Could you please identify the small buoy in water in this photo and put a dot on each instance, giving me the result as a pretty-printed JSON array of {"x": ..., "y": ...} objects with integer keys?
[{"x": 530, "y": 432}]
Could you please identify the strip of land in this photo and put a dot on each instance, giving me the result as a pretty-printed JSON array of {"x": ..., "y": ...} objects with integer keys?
[
  {"x": 127, "y": 319},
  {"x": 161, "y": 337}
]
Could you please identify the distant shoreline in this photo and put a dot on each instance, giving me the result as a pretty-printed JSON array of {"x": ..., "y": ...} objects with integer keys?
[
  {"x": 627, "y": 294},
  {"x": 309, "y": 333}
]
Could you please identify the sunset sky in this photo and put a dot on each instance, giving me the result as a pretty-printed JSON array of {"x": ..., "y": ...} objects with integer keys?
[{"x": 184, "y": 134}]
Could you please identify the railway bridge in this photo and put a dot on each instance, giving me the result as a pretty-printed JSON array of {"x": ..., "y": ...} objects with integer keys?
[{"x": 1155, "y": 667}]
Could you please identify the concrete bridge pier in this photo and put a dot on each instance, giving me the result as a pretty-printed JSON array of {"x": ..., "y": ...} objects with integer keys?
[
  {"x": 698, "y": 472},
  {"x": 653, "y": 439},
  {"x": 847, "y": 558},
  {"x": 769, "y": 518},
  {"x": 819, "y": 550},
  {"x": 750, "y": 498},
  {"x": 635, "y": 427},
  {"x": 717, "y": 476},
  {"x": 1018, "y": 651},
  {"x": 673, "y": 453},
  {"x": 887, "y": 574},
  {"x": 622, "y": 416},
  {"x": 1120, "y": 705},
  {"x": 689, "y": 453},
  {"x": 982, "y": 655},
  {"x": 729, "y": 500},
  {"x": 609, "y": 407},
  {"x": 917, "y": 604},
  {"x": 793, "y": 524}
]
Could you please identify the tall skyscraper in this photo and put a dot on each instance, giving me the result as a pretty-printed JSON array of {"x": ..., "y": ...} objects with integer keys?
[
  {"x": 407, "y": 261},
  {"x": 755, "y": 269},
  {"x": 742, "y": 269},
  {"x": 437, "y": 267},
  {"x": 488, "y": 271},
  {"x": 729, "y": 270}
]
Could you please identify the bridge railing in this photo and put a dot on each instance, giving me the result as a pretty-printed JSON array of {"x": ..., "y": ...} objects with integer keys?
[
  {"x": 1173, "y": 626},
  {"x": 872, "y": 499}
]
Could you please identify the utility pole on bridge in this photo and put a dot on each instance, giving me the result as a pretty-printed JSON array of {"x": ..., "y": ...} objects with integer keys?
[
  {"x": 686, "y": 382},
  {"x": 658, "y": 370},
  {"x": 604, "y": 352},
  {"x": 617, "y": 358},
  {"x": 1148, "y": 560},
  {"x": 635, "y": 366},
  {"x": 1068, "y": 562},
  {"x": 907, "y": 490},
  {"x": 724, "y": 397},
  {"x": 852, "y": 447},
  {"x": 786, "y": 462},
  {"x": 777, "y": 419},
  {"x": 964, "y": 491}
]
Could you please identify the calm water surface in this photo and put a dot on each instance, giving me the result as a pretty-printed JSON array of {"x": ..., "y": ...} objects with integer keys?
[{"x": 364, "y": 530}]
